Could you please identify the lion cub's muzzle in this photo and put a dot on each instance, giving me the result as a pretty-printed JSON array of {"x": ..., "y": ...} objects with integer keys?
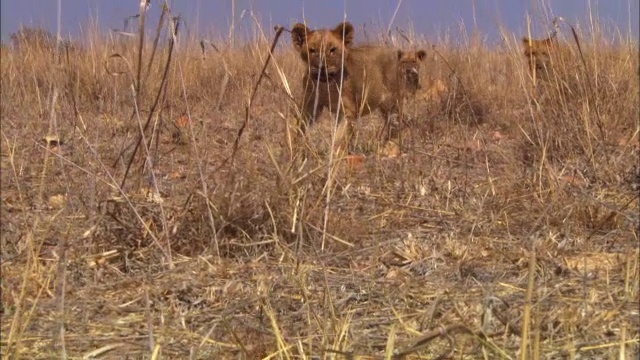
[
  {"x": 412, "y": 77},
  {"x": 323, "y": 74}
]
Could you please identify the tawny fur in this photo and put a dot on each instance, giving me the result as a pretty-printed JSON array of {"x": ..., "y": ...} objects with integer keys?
[
  {"x": 539, "y": 55},
  {"x": 372, "y": 77}
]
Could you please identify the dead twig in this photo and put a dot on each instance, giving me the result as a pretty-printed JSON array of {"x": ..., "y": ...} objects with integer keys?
[
  {"x": 279, "y": 29},
  {"x": 163, "y": 83}
]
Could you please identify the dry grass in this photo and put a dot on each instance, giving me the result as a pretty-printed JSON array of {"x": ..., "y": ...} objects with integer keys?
[{"x": 509, "y": 229}]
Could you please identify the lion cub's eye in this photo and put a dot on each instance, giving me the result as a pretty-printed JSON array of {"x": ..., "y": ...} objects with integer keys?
[
  {"x": 313, "y": 50},
  {"x": 333, "y": 50}
]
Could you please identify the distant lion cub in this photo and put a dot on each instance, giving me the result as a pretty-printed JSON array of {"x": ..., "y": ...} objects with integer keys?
[
  {"x": 546, "y": 57},
  {"x": 371, "y": 77},
  {"x": 538, "y": 54}
]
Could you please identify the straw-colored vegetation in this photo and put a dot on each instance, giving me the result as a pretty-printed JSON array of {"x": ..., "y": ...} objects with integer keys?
[{"x": 137, "y": 219}]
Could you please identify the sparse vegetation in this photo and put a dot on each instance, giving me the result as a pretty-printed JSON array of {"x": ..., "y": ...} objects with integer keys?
[{"x": 508, "y": 229}]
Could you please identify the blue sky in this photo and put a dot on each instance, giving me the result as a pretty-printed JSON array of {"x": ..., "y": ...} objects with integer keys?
[{"x": 429, "y": 18}]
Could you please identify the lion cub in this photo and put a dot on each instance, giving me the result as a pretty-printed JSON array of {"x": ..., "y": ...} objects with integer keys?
[
  {"x": 403, "y": 83},
  {"x": 545, "y": 56},
  {"x": 365, "y": 78},
  {"x": 538, "y": 54},
  {"x": 408, "y": 70}
]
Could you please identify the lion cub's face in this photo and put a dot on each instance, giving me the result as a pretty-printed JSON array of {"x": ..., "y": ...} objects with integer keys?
[
  {"x": 323, "y": 49},
  {"x": 409, "y": 69},
  {"x": 538, "y": 53}
]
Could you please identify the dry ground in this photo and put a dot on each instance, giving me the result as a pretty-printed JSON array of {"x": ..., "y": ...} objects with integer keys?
[{"x": 510, "y": 224}]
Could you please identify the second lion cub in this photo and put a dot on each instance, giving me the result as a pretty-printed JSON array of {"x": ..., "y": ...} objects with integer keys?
[{"x": 365, "y": 78}]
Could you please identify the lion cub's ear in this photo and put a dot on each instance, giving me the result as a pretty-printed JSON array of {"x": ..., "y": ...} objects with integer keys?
[
  {"x": 527, "y": 42},
  {"x": 344, "y": 29},
  {"x": 299, "y": 34},
  {"x": 421, "y": 54}
]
